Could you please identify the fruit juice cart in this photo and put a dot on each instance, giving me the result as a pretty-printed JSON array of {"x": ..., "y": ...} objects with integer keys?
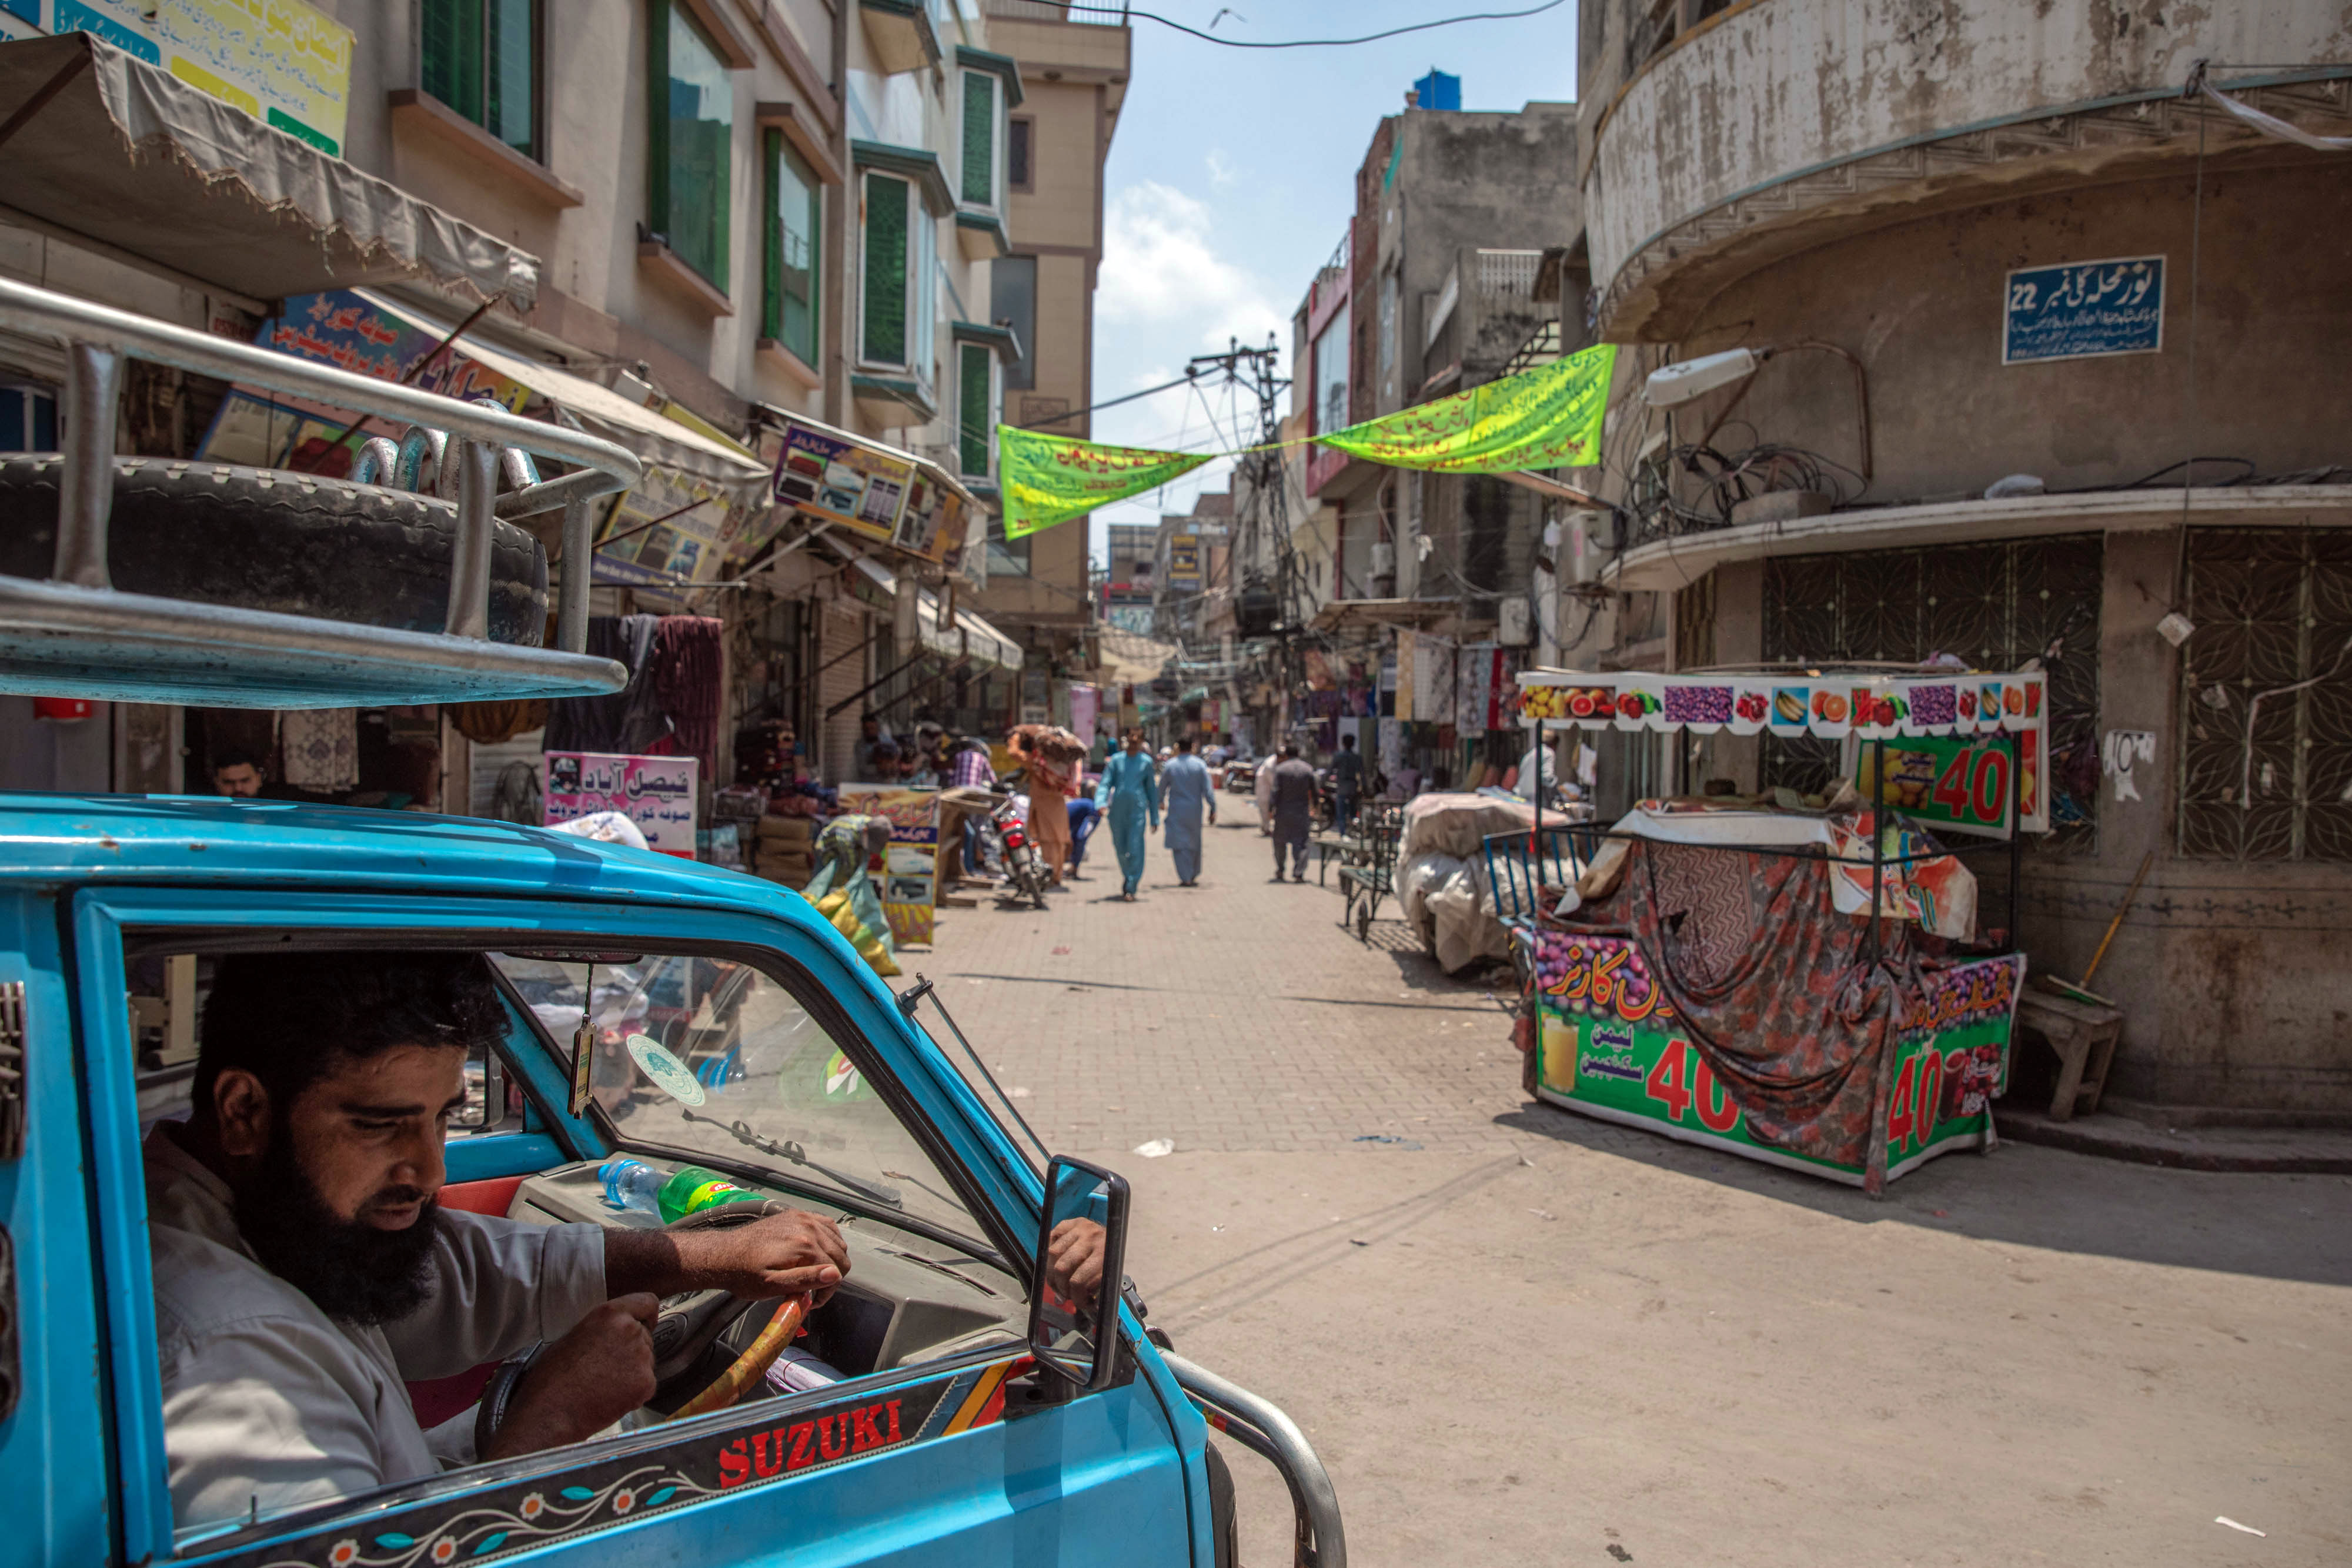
[{"x": 1802, "y": 987}]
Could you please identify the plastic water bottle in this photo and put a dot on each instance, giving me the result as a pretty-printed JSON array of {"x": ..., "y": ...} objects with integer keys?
[
  {"x": 694, "y": 1189},
  {"x": 632, "y": 1183}
]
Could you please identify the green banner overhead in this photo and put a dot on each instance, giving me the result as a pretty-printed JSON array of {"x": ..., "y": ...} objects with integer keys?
[
  {"x": 1548, "y": 417},
  {"x": 1050, "y": 479}
]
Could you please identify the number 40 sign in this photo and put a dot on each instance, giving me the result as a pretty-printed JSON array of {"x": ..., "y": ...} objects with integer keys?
[{"x": 1965, "y": 784}]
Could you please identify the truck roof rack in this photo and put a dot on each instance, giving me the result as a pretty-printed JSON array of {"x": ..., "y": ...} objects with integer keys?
[{"x": 75, "y": 634}]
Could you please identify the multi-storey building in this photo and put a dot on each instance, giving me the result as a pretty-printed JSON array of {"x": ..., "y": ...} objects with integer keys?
[
  {"x": 1432, "y": 291},
  {"x": 686, "y": 225},
  {"x": 1074, "y": 72},
  {"x": 1133, "y": 568},
  {"x": 2045, "y": 339}
]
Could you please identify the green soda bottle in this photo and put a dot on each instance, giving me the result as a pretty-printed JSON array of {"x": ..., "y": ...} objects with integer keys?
[{"x": 694, "y": 1189}]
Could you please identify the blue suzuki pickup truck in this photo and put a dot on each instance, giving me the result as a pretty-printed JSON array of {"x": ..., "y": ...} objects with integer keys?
[
  {"x": 947, "y": 1437},
  {"x": 641, "y": 1026}
]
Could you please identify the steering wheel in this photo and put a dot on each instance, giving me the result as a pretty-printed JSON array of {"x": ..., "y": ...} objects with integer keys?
[
  {"x": 688, "y": 1324},
  {"x": 683, "y": 1330}
]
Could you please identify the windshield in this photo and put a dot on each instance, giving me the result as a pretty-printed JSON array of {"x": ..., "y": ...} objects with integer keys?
[{"x": 776, "y": 1090}]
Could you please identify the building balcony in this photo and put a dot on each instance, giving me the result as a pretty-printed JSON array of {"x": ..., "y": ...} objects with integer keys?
[
  {"x": 1663, "y": 558},
  {"x": 1776, "y": 126},
  {"x": 1477, "y": 323}
]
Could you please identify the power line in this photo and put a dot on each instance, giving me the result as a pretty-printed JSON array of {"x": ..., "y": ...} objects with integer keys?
[
  {"x": 1123, "y": 13},
  {"x": 1081, "y": 413}
]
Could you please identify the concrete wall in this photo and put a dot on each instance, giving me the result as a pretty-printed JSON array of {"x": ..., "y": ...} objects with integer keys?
[
  {"x": 1501, "y": 181},
  {"x": 595, "y": 293},
  {"x": 1774, "y": 87},
  {"x": 2235, "y": 977},
  {"x": 1921, "y": 304}
]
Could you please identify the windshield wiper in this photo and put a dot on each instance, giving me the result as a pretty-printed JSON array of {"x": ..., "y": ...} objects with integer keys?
[
  {"x": 935, "y": 1263},
  {"x": 787, "y": 1150}
]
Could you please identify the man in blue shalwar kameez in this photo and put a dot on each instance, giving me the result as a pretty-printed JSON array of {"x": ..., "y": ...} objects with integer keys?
[
  {"x": 1131, "y": 789},
  {"x": 1185, "y": 782}
]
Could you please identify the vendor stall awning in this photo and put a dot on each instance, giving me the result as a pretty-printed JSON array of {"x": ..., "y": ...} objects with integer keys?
[
  {"x": 968, "y": 634},
  {"x": 600, "y": 410},
  {"x": 111, "y": 149}
]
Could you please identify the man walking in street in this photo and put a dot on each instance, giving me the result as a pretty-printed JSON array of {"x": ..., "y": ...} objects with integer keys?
[
  {"x": 1347, "y": 783},
  {"x": 1293, "y": 802},
  {"x": 1184, "y": 784},
  {"x": 1130, "y": 790}
]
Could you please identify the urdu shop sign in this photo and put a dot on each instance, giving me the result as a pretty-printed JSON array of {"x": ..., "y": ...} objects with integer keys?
[
  {"x": 2080, "y": 309},
  {"x": 285, "y": 62}
]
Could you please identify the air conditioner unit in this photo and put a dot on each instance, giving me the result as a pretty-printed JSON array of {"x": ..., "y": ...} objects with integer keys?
[{"x": 1383, "y": 558}]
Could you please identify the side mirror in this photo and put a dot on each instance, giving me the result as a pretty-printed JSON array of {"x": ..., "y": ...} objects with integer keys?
[{"x": 1073, "y": 1285}]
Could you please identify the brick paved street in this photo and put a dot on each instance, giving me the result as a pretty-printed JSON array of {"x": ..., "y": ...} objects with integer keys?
[
  {"x": 1234, "y": 1016},
  {"x": 1517, "y": 1336}
]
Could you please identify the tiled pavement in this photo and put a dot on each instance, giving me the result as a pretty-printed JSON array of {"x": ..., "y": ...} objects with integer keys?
[{"x": 1233, "y": 1016}]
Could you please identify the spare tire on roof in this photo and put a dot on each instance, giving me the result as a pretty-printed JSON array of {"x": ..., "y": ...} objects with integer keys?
[{"x": 258, "y": 539}]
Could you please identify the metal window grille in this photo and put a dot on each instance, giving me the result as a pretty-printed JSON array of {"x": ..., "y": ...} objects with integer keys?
[
  {"x": 980, "y": 137},
  {"x": 2265, "y": 770},
  {"x": 884, "y": 340},
  {"x": 1994, "y": 605}
]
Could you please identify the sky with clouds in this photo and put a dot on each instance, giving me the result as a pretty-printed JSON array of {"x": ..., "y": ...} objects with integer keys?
[{"x": 1232, "y": 178}]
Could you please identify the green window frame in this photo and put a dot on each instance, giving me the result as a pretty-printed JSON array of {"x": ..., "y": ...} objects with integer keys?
[
  {"x": 975, "y": 409},
  {"x": 1006, "y": 558},
  {"x": 691, "y": 113},
  {"x": 979, "y": 187},
  {"x": 481, "y": 58},
  {"x": 792, "y": 249},
  {"x": 884, "y": 333}
]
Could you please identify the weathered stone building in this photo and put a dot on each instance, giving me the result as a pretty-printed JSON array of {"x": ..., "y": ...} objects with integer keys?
[{"x": 1986, "y": 239}]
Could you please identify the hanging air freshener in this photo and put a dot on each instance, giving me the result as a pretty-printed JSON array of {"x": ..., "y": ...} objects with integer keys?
[{"x": 583, "y": 1048}]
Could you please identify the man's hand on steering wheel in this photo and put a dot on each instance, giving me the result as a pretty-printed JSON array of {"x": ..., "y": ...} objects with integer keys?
[{"x": 785, "y": 1254}]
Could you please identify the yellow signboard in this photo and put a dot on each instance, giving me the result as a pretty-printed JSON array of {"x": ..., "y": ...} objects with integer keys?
[{"x": 284, "y": 62}]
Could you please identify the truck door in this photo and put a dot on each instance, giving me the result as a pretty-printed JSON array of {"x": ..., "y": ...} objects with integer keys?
[
  {"x": 53, "y": 1438},
  {"x": 914, "y": 1440}
]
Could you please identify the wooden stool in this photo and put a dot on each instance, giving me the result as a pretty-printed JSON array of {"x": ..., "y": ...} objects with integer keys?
[{"x": 2084, "y": 1035}]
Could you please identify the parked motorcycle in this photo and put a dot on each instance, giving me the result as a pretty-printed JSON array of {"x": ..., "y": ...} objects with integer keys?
[{"x": 1004, "y": 838}]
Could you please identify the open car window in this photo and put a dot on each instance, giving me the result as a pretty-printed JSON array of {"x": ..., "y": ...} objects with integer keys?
[
  {"x": 764, "y": 1083},
  {"x": 165, "y": 993}
]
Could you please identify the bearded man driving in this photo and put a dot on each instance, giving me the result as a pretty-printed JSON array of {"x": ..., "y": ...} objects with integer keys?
[{"x": 304, "y": 1272}]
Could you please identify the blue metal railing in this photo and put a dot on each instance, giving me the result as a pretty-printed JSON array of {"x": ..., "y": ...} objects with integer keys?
[{"x": 1520, "y": 863}]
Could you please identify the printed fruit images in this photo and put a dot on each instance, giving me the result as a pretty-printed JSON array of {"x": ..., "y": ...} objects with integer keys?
[
  {"x": 1932, "y": 705},
  {"x": 2012, "y": 701},
  {"x": 1698, "y": 704},
  {"x": 1910, "y": 777},
  {"x": 1749, "y": 707},
  {"x": 1831, "y": 707},
  {"x": 1543, "y": 702},
  {"x": 1966, "y": 700},
  {"x": 1787, "y": 705}
]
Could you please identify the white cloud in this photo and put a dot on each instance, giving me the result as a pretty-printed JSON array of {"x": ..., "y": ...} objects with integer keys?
[
  {"x": 1161, "y": 267},
  {"x": 1222, "y": 171}
]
